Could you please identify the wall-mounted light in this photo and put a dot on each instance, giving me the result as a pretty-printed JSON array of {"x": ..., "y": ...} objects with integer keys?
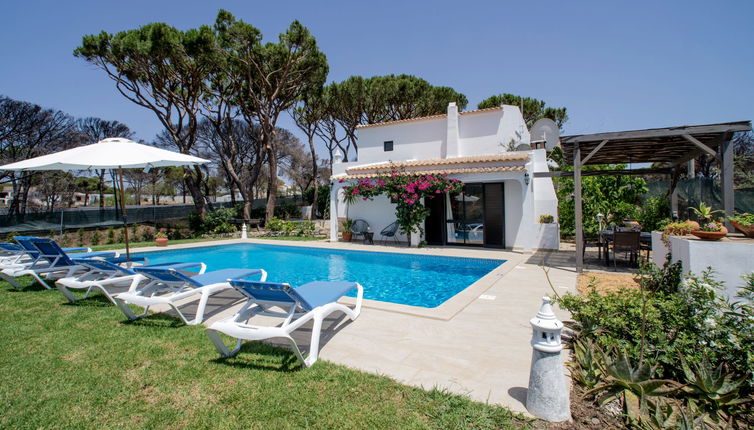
[{"x": 526, "y": 178}]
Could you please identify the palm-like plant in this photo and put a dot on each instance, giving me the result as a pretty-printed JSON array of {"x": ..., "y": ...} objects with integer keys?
[{"x": 705, "y": 213}]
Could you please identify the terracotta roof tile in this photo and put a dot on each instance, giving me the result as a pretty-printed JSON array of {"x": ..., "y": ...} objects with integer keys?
[
  {"x": 517, "y": 157},
  {"x": 441, "y": 171},
  {"x": 421, "y": 118}
]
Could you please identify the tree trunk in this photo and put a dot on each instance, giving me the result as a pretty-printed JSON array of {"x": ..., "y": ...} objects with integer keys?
[
  {"x": 101, "y": 188},
  {"x": 15, "y": 202},
  {"x": 193, "y": 183},
  {"x": 272, "y": 188},
  {"x": 313, "y": 212}
]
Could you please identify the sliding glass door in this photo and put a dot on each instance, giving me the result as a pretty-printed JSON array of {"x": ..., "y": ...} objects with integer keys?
[{"x": 465, "y": 222}]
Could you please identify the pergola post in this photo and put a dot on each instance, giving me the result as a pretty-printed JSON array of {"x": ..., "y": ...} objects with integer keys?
[
  {"x": 726, "y": 178},
  {"x": 673, "y": 191},
  {"x": 577, "y": 202}
]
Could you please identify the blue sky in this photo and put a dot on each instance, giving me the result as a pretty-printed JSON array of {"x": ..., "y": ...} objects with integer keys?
[{"x": 614, "y": 66}]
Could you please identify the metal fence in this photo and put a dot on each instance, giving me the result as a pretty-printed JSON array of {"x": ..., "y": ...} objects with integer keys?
[
  {"x": 67, "y": 219},
  {"x": 691, "y": 192}
]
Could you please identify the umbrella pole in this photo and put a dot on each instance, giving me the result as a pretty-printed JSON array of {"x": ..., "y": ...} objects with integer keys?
[{"x": 123, "y": 211}]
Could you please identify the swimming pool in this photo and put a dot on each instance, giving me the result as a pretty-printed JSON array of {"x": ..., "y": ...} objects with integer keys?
[{"x": 409, "y": 279}]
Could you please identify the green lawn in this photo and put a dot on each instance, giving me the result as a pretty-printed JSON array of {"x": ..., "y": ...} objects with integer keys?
[{"x": 82, "y": 366}]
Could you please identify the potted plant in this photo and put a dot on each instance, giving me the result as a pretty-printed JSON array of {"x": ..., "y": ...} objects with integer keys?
[
  {"x": 681, "y": 228},
  {"x": 743, "y": 223},
  {"x": 546, "y": 219},
  {"x": 347, "y": 234},
  {"x": 710, "y": 228},
  {"x": 161, "y": 238}
]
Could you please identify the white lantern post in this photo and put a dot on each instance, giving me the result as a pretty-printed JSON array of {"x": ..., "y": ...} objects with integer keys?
[{"x": 547, "y": 397}]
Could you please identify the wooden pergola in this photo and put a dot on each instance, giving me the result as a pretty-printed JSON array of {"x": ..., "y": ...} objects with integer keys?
[{"x": 669, "y": 146}]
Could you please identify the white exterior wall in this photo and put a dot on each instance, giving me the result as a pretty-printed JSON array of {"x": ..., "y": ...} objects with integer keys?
[
  {"x": 414, "y": 140},
  {"x": 378, "y": 213}
]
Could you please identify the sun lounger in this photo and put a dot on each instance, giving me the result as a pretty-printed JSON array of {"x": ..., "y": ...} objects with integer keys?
[
  {"x": 311, "y": 301},
  {"x": 50, "y": 261},
  {"x": 168, "y": 286},
  {"x": 110, "y": 278},
  {"x": 13, "y": 254}
]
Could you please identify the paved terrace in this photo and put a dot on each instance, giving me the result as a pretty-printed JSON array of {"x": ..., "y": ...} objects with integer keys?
[{"x": 480, "y": 348}]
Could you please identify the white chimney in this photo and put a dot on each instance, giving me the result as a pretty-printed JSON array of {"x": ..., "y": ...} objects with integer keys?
[{"x": 452, "y": 149}]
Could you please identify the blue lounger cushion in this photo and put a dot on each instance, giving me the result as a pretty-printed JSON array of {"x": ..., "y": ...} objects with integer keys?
[
  {"x": 173, "y": 276},
  {"x": 308, "y": 296},
  {"x": 109, "y": 265},
  {"x": 224, "y": 275}
]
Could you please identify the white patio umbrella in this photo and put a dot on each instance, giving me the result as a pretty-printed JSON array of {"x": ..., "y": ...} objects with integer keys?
[{"x": 111, "y": 153}]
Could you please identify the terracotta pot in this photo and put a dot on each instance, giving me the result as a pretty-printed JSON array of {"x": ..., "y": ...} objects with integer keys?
[
  {"x": 347, "y": 236},
  {"x": 710, "y": 235},
  {"x": 161, "y": 241},
  {"x": 694, "y": 225},
  {"x": 747, "y": 230}
]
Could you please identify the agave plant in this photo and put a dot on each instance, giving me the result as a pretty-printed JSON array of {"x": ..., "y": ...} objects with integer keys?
[
  {"x": 664, "y": 415},
  {"x": 717, "y": 391},
  {"x": 705, "y": 213},
  {"x": 586, "y": 368},
  {"x": 632, "y": 384}
]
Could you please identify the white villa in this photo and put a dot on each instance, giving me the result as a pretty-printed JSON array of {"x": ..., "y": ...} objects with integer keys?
[{"x": 502, "y": 200}]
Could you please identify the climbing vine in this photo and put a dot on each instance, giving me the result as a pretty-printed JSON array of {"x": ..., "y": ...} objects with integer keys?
[{"x": 408, "y": 193}]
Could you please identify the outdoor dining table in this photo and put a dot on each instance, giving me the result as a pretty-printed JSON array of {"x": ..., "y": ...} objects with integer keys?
[{"x": 606, "y": 236}]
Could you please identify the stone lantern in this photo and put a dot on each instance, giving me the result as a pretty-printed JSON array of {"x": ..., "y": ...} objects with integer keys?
[{"x": 547, "y": 397}]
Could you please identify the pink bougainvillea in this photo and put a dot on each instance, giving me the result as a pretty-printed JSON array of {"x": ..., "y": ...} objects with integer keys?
[{"x": 407, "y": 191}]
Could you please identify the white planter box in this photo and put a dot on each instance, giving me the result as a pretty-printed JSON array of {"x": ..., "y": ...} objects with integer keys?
[
  {"x": 729, "y": 260},
  {"x": 548, "y": 236},
  {"x": 659, "y": 249}
]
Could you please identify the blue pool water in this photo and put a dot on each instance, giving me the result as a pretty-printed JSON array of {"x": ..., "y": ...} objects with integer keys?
[{"x": 417, "y": 280}]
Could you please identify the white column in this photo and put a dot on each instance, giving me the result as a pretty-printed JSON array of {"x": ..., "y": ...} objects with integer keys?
[
  {"x": 529, "y": 221},
  {"x": 451, "y": 139},
  {"x": 334, "y": 188}
]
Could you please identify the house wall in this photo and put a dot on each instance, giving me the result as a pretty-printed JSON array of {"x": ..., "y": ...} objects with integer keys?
[
  {"x": 411, "y": 140},
  {"x": 378, "y": 213}
]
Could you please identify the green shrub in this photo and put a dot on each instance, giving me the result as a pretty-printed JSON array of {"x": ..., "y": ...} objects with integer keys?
[
  {"x": 654, "y": 213},
  {"x": 95, "y": 237},
  {"x": 80, "y": 237},
  {"x": 684, "y": 330},
  {"x": 110, "y": 235},
  {"x": 304, "y": 228},
  {"x": 287, "y": 210},
  {"x": 275, "y": 224},
  {"x": 216, "y": 221}
]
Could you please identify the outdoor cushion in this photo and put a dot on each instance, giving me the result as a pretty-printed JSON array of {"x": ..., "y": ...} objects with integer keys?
[{"x": 308, "y": 296}]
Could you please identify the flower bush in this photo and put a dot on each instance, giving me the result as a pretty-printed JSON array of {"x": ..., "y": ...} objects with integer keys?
[
  {"x": 712, "y": 226},
  {"x": 407, "y": 191}
]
